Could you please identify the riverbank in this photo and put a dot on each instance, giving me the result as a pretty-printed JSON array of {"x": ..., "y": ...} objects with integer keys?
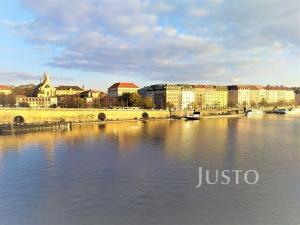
[{"x": 31, "y": 115}]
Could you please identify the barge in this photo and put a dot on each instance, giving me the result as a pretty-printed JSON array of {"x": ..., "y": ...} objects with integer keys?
[{"x": 33, "y": 127}]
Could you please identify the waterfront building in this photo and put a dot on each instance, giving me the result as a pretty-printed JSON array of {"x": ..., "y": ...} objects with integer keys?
[
  {"x": 285, "y": 94},
  {"x": 147, "y": 92},
  {"x": 211, "y": 96},
  {"x": 68, "y": 90},
  {"x": 45, "y": 89},
  {"x": 92, "y": 94},
  {"x": 5, "y": 90},
  {"x": 298, "y": 98},
  {"x": 173, "y": 93},
  {"x": 277, "y": 94},
  {"x": 240, "y": 95},
  {"x": 95, "y": 98},
  {"x": 184, "y": 96},
  {"x": 118, "y": 89},
  {"x": 36, "y": 102},
  {"x": 258, "y": 95},
  {"x": 187, "y": 97},
  {"x": 164, "y": 95},
  {"x": 221, "y": 99},
  {"x": 43, "y": 95},
  {"x": 251, "y": 95},
  {"x": 158, "y": 94}
]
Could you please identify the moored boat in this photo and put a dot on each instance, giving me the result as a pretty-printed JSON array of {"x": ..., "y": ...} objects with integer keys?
[
  {"x": 254, "y": 112},
  {"x": 194, "y": 116},
  {"x": 281, "y": 111}
]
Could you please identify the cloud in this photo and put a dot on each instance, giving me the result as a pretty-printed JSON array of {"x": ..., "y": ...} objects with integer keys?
[
  {"x": 14, "y": 76},
  {"x": 197, "y": 12},
  {"x": 167, "y": 40},
  {"x": 9, "y": 76}
]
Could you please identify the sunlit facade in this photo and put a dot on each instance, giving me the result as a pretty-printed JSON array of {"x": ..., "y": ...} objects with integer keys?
[
  {"x": 45, "y": 89},
  {"x": 211, "y": 96},
  {"x": 118, "y": 89},
  {"x": 5, "y": 90},
  {"x": 251, "y": 95}
]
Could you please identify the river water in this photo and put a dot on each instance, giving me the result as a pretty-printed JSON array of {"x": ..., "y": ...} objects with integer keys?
[{"x": 135, "y": 173}]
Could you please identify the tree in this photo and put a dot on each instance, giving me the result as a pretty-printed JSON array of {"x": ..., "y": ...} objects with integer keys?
[
  {"x": 124, "y": 100},
  {"x": 96, "y": 103},
  {"x": 194, "y": 106},
  {"x": 7, "y": 100},
  {"x": 199, "y": 101},
  {"x": 263, "y": 102},
  {"x": 135, "y": 100},
  {"x": 26, "y": 90},
  {"x": 131, "y": 100},
  {"x": 170, "y": 106},
  {"x": 24, "y": 105},
  {"x": 147, "y": 103},
  {"x": 282, "y": 103}
]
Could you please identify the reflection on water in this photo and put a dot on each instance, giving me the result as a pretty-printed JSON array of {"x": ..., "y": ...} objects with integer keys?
[{"x": 145, "y": 173}]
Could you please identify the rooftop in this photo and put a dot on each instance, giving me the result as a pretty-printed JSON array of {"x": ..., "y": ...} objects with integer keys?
[
  {"x": 5, "y": 87},
  {"x": 63, "y": 87},
  {"x": 123, "y": 85}
]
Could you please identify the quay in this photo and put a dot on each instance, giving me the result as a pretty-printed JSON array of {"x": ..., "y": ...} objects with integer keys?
[{"x": 50, "y": 115}]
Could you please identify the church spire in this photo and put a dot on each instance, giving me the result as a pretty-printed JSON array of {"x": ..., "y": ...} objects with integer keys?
[{"x": 46, "y": 77}]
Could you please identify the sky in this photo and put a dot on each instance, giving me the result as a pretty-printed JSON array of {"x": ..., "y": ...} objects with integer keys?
[{"x": 98, "y": 42}]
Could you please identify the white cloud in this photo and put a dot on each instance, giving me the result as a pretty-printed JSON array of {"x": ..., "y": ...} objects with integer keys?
[
  {"x": 197, "y": 12},
  {"x": 175, "y": 40}
]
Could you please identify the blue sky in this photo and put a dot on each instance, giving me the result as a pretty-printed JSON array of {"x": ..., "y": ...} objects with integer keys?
[{"x": 99, "y": 42}]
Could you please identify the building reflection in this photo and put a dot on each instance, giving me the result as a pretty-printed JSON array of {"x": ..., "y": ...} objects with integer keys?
[
  {"x": 46, "y": 140},
  {"x": 178, "y": 139},
  {"x": 126, "y": 135}
]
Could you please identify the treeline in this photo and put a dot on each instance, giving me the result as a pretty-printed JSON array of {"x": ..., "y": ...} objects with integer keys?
[
  {"x": 126, "y": 100},
  {"x": 78, "y": 102},
  {"x": 7, "y": 100},
  {"x": 135, "y": 100}
]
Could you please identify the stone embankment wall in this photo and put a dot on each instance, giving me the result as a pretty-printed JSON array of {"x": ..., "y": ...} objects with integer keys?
[{"x": 9, "y": 115}]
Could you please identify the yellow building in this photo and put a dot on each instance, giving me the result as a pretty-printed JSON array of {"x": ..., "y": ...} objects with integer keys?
[
  {"x": 173, "y": 94},
  {"x": 251, "y": 95},
  {"x": 36, "y": 102},
  {"x": 179, "y": 96},
  {"x": 277, "y": 94},
  {"x": 5, "y": 90},
  {"x": 211, "y": 96},
  {"x": 200, "y": 96},
  {"x": 184, "y": 96},
  {"x": 221, "y": 100},
  {"x": 258, "y": 95},
  {"x": 286, "y": 95},
  {"x": 118, "y": 89},
  {"x": 298, "y": 98},
  {"x": 68, "y": 90},
  {"x": 45, "y": 88},
  {"x": 240, "y": 95},
  {"x": 44, "y": 96}
]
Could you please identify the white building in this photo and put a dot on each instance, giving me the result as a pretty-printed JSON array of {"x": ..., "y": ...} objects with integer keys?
[
  {"x": 187, "y": 98},
  {"x": 118, "y": 89}
]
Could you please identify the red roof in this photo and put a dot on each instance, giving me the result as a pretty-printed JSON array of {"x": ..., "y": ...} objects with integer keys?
[
  {"x": 5, "y": 87},
  {"x": 278, "y": 88},
  {"x": 123, "y": 85}
]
